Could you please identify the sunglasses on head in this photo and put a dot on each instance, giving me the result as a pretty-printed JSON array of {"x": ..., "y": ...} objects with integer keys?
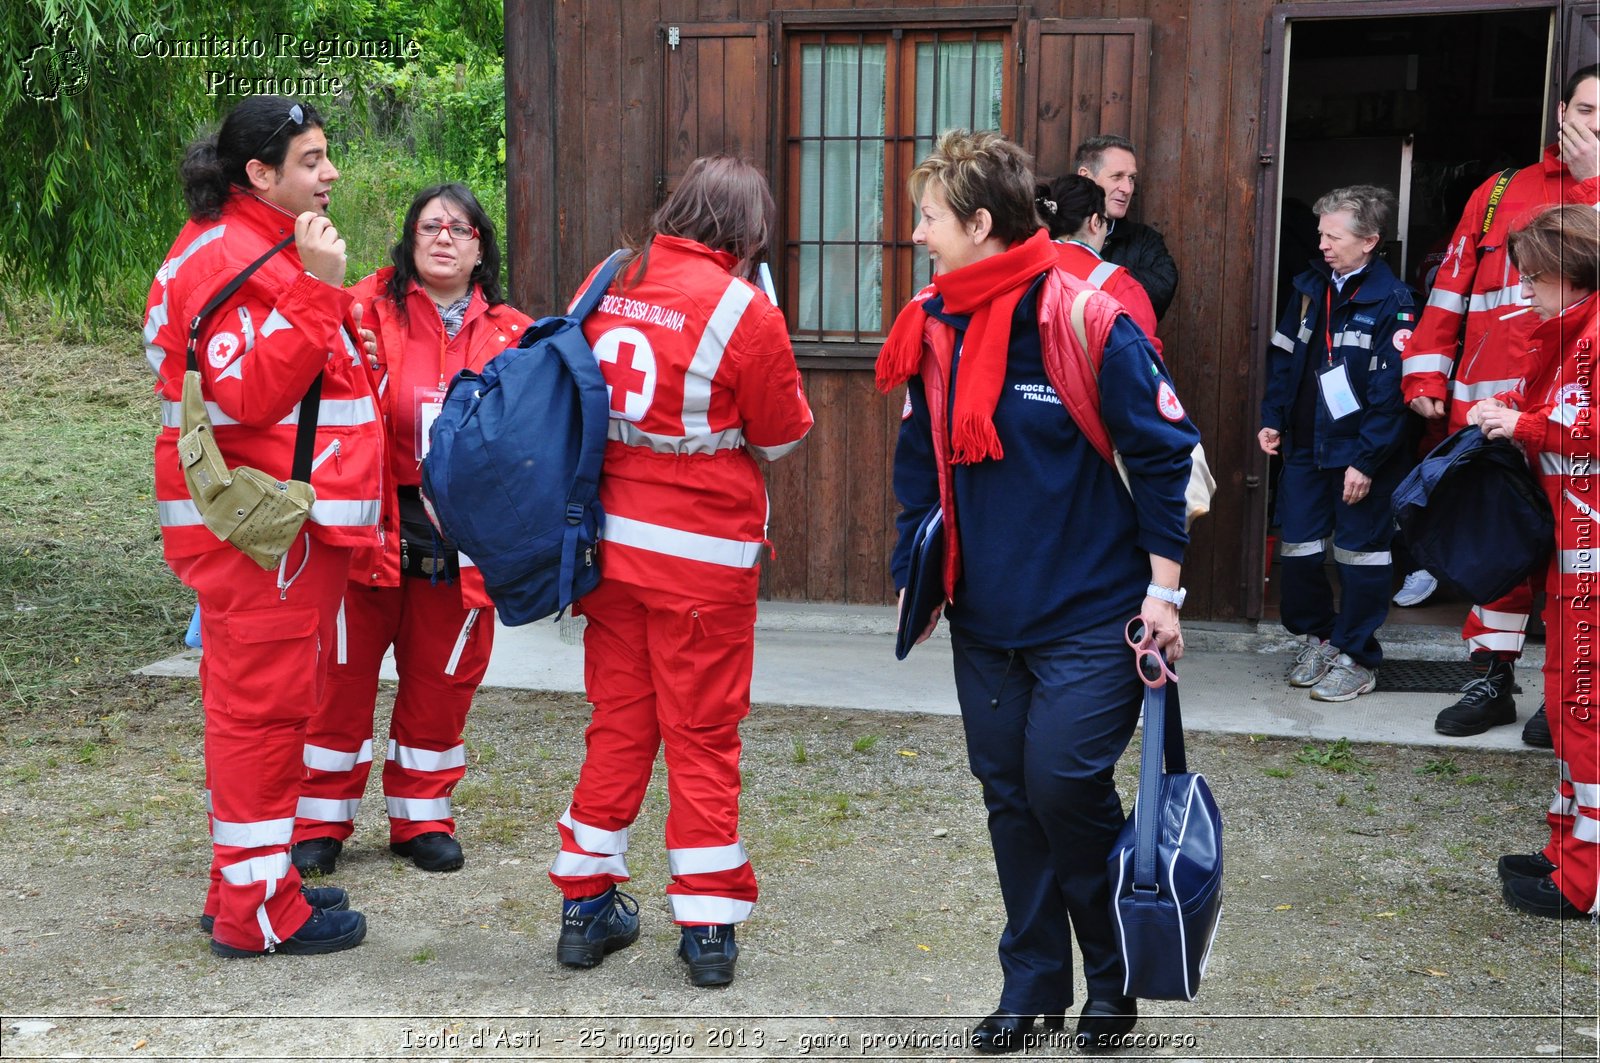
[{"x": 297, "y": 115}]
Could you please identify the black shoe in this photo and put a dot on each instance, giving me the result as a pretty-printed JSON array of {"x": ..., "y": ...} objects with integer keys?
[
  {"x": 1485, "y": 702},
  {"x": 1536, "y": 732},
  {"x": 710, "y": 952},
  {"x": 1518, "y": 865},
  {"x": 323, "y": 932},
  {"x": 315, "y": 856},
  {"x": 327, "y": 898},
  {"x": 1004, "y": 1032},
  {"x": 1540, "y": 896},
  {"x": 434, "y": 851},
  {"x": 592, "y": 928},
  {"x": 1103, "y": 1023}
]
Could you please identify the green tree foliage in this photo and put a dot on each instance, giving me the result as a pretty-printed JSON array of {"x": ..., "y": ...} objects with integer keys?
[{"x": 99, "y": 118}]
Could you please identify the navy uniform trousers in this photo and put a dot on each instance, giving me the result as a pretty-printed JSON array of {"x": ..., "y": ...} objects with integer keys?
[
  {"x": 1311, "y": 508},
  {"x": 1045, "y": 726}
]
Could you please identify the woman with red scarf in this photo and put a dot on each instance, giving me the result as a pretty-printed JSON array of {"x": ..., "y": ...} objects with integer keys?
[
  {"x": 1558, "y": 256},
  {"x": 1048, "y": 555}
]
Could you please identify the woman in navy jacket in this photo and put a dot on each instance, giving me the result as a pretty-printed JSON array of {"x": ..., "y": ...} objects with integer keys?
[
  {"x": 1333, "y": 409},
  {"x": 1048, "y": 556}
]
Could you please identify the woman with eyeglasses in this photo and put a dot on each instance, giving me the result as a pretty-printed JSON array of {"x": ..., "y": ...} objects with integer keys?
[
  {"x": 437, "y": 310},
  {"x": 1048, "y": 556},
  {"x": 1552, "y": 418}
]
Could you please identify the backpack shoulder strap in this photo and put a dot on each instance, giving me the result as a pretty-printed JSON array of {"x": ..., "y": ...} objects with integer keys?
[
  {"x": 597, "y": 288},
  {"x": 191, "y": 362}
]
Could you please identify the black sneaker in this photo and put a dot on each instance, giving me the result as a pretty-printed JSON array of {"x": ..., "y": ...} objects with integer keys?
[
  {"x": 1485, "y": 702},
  {"x": 1536, "y": 732},
  {"x": 434, "y": 851},
  {"x": 324, "y": 932},
  {"x": 1540, "y": 896},
  {"x": 592, "y": 928},
  {"x": 315, "y": 856},
  {"x": 327, "y": 898},
  {"x": 710, "y": 952},
  {"x": 1524, "y": 865}
]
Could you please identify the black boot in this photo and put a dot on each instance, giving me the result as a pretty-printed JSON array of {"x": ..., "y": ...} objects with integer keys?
[
  {"x": 1536, "y": 732},
  {"x": 1485, "y": 702}
]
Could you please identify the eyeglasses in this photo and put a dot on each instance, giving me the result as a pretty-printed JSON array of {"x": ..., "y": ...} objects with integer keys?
[
  {"x": 1148, "y": 661},
  {"x": 297, "y": 115},
  {"x": 1529, "y": 278},
  {"x": 458, "y": 230}
]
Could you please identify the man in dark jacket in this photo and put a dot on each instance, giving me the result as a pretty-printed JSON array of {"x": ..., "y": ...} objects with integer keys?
[{"x": 1109, "y": 161}]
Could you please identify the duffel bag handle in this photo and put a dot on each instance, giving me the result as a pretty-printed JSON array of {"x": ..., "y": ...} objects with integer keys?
[{"x": 1163, "y": 740}]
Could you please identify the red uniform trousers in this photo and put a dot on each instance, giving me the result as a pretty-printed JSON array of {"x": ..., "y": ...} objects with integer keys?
[
  {"x": 663, "y": 669},
  {"x": 1570, "y": 704},
  {"x": 264, "y": 666},
  {"x": 1500, "y": 626},
  {"x": 441, "y": 651}
]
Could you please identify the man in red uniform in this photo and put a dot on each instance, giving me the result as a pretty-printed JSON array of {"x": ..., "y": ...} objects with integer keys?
[
  {"x": 264, "y": 180},
  {"x": 1474, "y": 308},
  {"x": 702, "y": 382}
]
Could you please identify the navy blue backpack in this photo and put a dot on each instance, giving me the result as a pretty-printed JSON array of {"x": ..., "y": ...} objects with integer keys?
[
  {"x": 512, "y": 475},
  {"x": 1473, "y": 515}
]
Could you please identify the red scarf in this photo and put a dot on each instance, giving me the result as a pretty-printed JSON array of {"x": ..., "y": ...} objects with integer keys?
[{"x": 989, "y": 290}]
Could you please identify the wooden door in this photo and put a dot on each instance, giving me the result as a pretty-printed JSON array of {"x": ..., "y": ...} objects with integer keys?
[
  {"x": 1083, "y": 77},
  {"x": 715, "y": 96}
]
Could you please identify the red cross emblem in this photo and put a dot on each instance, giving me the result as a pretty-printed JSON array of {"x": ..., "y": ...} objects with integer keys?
[{"x": 629, "y": 365}]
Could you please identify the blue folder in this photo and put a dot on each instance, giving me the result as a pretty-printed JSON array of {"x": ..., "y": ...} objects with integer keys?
[{"x": 925, "y": 590}]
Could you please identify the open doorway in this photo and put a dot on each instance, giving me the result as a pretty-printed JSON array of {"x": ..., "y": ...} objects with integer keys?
[{"x": 1427, "y": 105}]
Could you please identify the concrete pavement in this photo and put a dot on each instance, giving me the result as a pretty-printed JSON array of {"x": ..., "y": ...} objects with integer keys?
[{"x": 843, "y": 657}]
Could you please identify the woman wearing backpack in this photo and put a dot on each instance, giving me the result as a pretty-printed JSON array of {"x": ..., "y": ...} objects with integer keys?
[
  {"x": 703, "y": 383},
  {"x": 437, "y": 310},
  {"x": 1557, "y": 254}
]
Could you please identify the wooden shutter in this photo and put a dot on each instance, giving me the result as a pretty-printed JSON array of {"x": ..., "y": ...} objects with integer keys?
[
  {"x": 715, "y": 97},
  {"x": 1583, "y": 38},
  {"x": 1084, "y": 76}
]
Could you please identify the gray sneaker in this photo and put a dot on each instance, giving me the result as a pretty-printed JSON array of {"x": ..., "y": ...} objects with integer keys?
[
  {"x": 1312, "y": 662},
  {"x": 1346, "y": 680}
]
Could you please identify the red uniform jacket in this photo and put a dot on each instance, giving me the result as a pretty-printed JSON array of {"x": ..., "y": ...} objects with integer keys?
[
  {"x": 1557, "y": 429},
  {"x": 258, "y": 353},
  {"x": 1083, "y": 263},
  {"x": 1475, "y": 284},
  {"x": 414, "y": 356},
  {"x": 701, "y": 377}
]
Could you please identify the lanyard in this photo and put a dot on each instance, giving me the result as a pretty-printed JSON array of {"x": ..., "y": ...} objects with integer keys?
[
  {"x": 1327, "y": 317},
  {"x": 443, "y": 337}
]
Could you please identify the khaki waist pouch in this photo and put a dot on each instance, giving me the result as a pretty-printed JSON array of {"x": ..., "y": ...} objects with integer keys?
[{"x": 259, "y": 514}]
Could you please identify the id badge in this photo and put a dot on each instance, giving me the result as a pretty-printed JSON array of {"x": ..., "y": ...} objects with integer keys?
[
  {"x": 1336, "y": 393},
  {"x": 428, "y": 402}
]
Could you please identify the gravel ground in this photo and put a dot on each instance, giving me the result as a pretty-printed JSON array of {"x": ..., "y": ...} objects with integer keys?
[{"x": 1362, "y": 917}]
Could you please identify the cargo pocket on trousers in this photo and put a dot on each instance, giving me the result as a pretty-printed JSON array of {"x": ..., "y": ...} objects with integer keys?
[
  {"x": 268, "y": 665},
  {"x": 715, "y": 675}
]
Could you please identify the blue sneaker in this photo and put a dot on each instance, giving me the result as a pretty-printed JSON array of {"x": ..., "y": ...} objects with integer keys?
[
  {"x": 710, "y": 952},
  {"x": 324, "y": 932},
  {"x": 592, "y": 928},
  {"x": 327, "y": 898}
]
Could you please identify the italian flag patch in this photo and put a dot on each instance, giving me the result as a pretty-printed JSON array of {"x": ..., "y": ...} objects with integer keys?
[{"x": 1405, "y": 316}]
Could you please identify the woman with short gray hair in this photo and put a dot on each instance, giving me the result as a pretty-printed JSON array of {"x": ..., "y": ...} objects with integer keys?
[{"x": 1333, "y": 410}]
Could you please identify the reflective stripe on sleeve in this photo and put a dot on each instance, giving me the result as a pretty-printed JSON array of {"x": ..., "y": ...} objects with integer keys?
[
  {"x": 693, "y": 546},
  {"x": 707, "y": 859},
  {"x": 1102, "y": 273},
  {"x": 1482, "y": 389},
  {"x": 414, "y": 759},
  {"x": 1450, "y": 301},
  {"x": 340, "y": 413},
  {"x": 593, "y": 839},
  {"x": 257, "y": 835},
  {"x": 697, "y": 910},
  {"x": 418, "y": 808},
  {"x": 774, "y": 453},
  {"x": 1282, "y": 342},
  {"x": 1511, "y": 296},
  {"x": 1425, "y": 363},
  {"x": 352, "y": 514}
]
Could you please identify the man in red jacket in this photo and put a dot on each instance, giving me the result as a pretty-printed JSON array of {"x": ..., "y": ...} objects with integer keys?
[
  {"x": 1476, "y": 308},
  {"x": 258, "y": 194}
]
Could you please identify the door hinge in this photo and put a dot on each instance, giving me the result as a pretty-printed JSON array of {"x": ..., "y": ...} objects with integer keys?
[
  {"x": 673, "y": 37},
  {"x": 1252, "y": 482},
  {"x": 1265, "y": 158}
]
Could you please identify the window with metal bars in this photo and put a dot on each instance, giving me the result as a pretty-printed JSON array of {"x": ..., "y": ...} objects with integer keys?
[{"x": 863, "y": 108}]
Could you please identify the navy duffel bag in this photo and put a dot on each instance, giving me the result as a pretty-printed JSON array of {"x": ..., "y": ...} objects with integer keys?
[{"x": 1166, "y": 866}]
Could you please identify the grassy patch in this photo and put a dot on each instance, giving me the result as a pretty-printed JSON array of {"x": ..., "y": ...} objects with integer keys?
[{"x": 1335, "y": 756}]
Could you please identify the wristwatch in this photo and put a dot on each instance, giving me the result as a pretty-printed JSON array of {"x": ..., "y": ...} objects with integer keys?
[{"x": 1167, "y": 594}]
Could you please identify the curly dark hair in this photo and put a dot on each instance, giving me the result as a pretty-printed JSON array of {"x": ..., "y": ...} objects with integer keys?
[
  {"x": 486, "y": 274},
  {"x": 259, "y": 127}
]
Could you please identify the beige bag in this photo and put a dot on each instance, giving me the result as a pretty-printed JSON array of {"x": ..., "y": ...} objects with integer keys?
[
  {"x": 257, "y": 513},
  {"x": 1202, "y": 485}
]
